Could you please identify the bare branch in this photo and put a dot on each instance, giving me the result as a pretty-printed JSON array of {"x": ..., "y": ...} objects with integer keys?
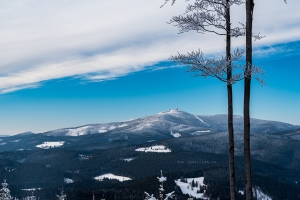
[
  {"x": 254, "y": 72},
  {"x": 217, "y": 68},
  {"x": 166, "y": 1},
  {"x": 207, "y": 16}
]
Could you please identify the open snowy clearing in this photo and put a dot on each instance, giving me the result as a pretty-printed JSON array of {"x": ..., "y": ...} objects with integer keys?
[
  {"x": 112, "y": 176},
  {"x": 176, "y": 135},
  {"x": 48, "y": 145},
  {"x": 187, "y": 189},
  {"x": 68, "y": 180},
  {"x": 157, "y": 149},
  {"x": 128, "y": 159}
]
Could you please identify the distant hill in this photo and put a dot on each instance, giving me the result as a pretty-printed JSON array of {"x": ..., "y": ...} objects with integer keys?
[
  {"x": 192, "y": 143},
  {"x": 164, "y": 125}
]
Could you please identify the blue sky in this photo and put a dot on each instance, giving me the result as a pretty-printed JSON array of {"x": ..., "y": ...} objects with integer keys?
[{"x": 66, "y": 64}]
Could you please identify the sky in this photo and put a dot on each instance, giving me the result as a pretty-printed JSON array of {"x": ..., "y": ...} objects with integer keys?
[{"x": 70, "y": 63}]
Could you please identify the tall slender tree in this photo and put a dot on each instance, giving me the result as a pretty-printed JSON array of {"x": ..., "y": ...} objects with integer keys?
[
  {"x": 247, "y": 85},
  {"x": 214, "y": 16}
]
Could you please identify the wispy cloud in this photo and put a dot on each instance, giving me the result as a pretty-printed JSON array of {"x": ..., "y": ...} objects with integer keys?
[
  {"x": 22, "y": 87},
  {"x": 103, "y": 40}
]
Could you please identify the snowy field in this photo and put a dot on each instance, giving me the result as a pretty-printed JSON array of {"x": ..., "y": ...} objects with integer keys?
[
  {"x": 176, "y": 135},
  {"x": 187, "y": 189},
  {"x": 48, "y": 145},
  {"x": 128, "y": 159},
  {"x": 68, "y": 180},
  {"x": 112, "y": 176},
  {"x": 157, "y": 149}
]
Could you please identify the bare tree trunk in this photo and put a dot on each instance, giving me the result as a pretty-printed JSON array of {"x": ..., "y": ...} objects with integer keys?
[
  {"x": 230, "y": 107},
  {"x": 247, "y": 84}
]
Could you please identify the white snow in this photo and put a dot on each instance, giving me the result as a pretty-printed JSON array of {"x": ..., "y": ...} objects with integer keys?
[
  {"x": 151, "y": 140},
  {"x": 68, "y": 180},
  {"x": 201, "y": 120},
  {"x": 47, "y": 145},
  {"x": 14, "y": 141},
  {"x": 122, "y": 125},
  {"x": 176, "y": 135},
  {"x": 157, "y": 149},
  {"x": 128, "y": 159},
  {"x": 162, "y": 179},
  {"x": 112, "y": 127},
  {"x": 200, "y": 132},
  {"x": 112, "y": 176},
  {"x": 84, "y": 157},
  {"x": 32, "y": 189},
  {"x": 260, "y": 195},
  {"x": 241, "y": 192},
  {"x": 4, "y": 143},
  {"x": 207, "y": 131},
  {"x": 187, "y": 189},
  {"x": 102, "y": 130},
  {"x": 168, "y": 111},
  {"x": 78, "y": 131}
]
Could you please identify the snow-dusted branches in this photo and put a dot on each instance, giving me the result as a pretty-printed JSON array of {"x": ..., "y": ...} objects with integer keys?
[
  {"x": 208, "y": 16},
  {"x": 218, "y": 68},
  {"x": 206, "y": 67},
  {"x": 255, "y": 72}
]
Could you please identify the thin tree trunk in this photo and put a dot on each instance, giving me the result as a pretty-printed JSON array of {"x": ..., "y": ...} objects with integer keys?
[
  {"x": 247, "y": 84},
  {"x": 230, "y": 108}
]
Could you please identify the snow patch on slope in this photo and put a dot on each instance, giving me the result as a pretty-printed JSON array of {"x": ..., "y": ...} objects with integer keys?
[
  {"x": 112, "y": 176},
  {"x": 201, "y": 120},
  {"x": 260, "y": 195},
  {"x": 78, "y": 131},
  {"x": 68, "y": 180},
  {"x": 176, "y": 135},
  {"x": 128, "y": 159},
  {"x": 187, "y": 189},
  {"x": 102, "y": 130},
  {"x": 48, "y": 145},
  {"x": 157, "y": 149},
  {"x": 201, "y": 132},
  {"x": 122, "y": 125}
]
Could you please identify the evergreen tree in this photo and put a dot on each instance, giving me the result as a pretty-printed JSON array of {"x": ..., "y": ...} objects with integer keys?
[{"x": 5, "y": 192}]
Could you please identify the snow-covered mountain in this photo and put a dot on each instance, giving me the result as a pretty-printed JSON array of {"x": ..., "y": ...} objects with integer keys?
[
  {"x": 174, "y": 123},
  {"x": 164, "y": 125}
]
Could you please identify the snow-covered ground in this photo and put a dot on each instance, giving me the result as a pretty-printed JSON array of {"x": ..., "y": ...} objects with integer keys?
[
  {"x": 78, "y": 131},
  {"x": 112, "y": 176},
  {"x": 176, "y": 135},
  {"x": 201, "y": 120},
  {"x": 260, "y": 195},
  {"x": 68, "y": 180},
  {"x": 128, "y": 159},
  {"x": 32, "y": 189},
  {"x": 157, "y": 149},
  {"x": 47, "y": 145},
  {"x": 187, "y": 189}
]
